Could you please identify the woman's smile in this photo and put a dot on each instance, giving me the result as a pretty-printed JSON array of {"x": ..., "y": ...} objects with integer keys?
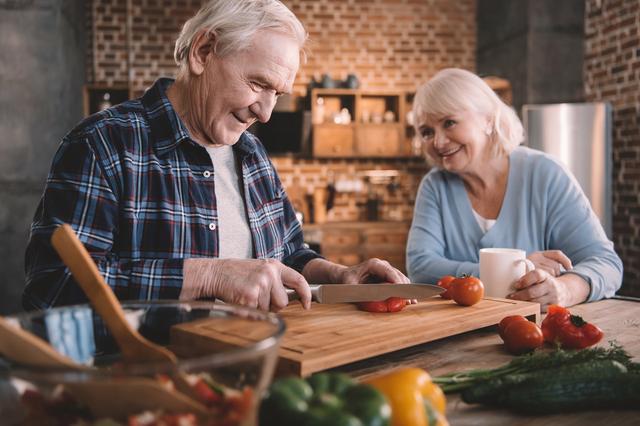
[{"x": 449, "y": 152}]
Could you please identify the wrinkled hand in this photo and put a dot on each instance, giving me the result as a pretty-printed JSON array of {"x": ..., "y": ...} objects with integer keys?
[
  {"x": 551, "y": 261},
  {"x": 542, "y": 287},
  {"x": 257, "y": 283},
  {"x": 373, "y": 271}
]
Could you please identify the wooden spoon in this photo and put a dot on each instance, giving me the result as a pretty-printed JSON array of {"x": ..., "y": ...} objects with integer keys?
[
  {"x": 19, "y": 345},
  {"x": 134, "y": 346},
  {"x": 105, "y": 398}
]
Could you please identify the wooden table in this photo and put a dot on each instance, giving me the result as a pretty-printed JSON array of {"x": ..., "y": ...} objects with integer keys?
[{"x": 619, "y": 319}]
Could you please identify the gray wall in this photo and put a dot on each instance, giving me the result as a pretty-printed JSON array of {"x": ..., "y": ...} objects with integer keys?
[
  {"x": 42, "y": 54},
  {"x": 536, "y": 44}
]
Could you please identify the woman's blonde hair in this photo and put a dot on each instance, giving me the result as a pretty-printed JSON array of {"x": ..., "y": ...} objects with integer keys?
[
  {"x": 234, "y": 23},
  {"x": 453, "y": 90}
]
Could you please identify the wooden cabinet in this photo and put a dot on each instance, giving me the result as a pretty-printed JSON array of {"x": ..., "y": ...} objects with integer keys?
[
  {"x": 352, "y": 243},
  {"x": 333, "y": 140},
  {"x": 355, "y": 123}
]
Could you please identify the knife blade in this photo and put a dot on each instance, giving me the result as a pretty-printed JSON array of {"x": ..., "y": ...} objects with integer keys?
[{"x": 347, "y": 293}]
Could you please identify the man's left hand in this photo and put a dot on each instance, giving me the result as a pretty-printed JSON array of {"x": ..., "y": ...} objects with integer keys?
[{"x": 371, "y": 271}]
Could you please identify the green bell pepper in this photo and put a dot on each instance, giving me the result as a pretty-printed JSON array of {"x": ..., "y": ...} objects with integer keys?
[{"x": 324, "y": 399}]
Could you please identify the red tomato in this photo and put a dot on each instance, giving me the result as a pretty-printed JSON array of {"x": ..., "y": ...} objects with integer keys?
[
  {"x": 445, "y": 282},
  {"x": 392, "y": 304},
  {"x": 522, "y": 336},
  {"x": 466, "y": 290},
  {"x": 506, "y": 321},
  {"x": 571, "y": 331},
  {"x": 205, "y": 393}
]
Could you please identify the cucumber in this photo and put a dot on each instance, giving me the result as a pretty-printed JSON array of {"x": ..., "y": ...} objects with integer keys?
[
  {"x": 498, "y": 391},
  {"x": 579, "y": 393}
]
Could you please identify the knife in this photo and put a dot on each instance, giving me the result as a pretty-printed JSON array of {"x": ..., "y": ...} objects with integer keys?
[{"x": 347, "y": 293}]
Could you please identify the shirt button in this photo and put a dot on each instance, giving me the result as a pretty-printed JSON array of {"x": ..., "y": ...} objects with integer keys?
[
  {"x": 212, "y": 226},
  {"x": 207, "y": 173}
]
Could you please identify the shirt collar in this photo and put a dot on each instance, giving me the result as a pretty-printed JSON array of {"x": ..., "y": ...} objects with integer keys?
[{"x": 167, "y": 128}]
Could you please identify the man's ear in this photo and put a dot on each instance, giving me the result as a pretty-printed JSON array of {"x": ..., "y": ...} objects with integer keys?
[{"x": 203, "y": 45}]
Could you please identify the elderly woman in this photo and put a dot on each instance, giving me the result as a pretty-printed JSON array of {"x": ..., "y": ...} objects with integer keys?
[
  {"x": 487, "y": 191},
  {"x": 172, "y": 196}
]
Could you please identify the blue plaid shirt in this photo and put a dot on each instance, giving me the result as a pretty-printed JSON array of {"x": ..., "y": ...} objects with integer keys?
[{"x": 139, "y": 192}]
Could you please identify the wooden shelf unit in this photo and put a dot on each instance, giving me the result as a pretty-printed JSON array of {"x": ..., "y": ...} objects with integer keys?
[{"x": 376, "y": 128}]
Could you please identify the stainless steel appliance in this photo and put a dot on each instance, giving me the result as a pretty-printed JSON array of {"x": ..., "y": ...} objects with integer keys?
[{"x": 579, "y": 135}]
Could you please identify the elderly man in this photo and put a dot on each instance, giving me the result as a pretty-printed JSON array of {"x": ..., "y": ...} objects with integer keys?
[{"x": 172, "y": 196}]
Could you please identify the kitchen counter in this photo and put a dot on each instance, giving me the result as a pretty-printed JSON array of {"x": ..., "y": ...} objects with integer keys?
[{"x": 619, "y": 319}]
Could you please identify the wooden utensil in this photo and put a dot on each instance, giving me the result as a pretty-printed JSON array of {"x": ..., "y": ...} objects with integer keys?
[
  {"x": 134, "y": 346},
  {"x": 104, "y": 398},
  {"x": 19, "y": 345}
]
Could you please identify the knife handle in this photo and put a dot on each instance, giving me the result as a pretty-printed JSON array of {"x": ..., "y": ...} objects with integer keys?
[{"x": 292, "y": 295}]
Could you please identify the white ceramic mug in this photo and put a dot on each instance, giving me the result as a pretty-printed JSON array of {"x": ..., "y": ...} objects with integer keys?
[{"x": 500, "y": 268}]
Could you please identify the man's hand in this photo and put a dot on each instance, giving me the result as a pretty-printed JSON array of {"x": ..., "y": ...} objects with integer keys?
[
  {"x": 371, "y": 271},
  {"x": 540, "y": 286},
  {"x": 552, "y": 261},
  {"x": 257, "y": 283}
]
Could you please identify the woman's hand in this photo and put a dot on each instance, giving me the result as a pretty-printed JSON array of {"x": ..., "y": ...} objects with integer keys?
[
  {"x": 551, "y": 261},
  {"x": 541, "y": 287}
]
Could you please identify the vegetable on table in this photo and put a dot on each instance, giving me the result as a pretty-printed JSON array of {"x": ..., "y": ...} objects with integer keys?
[
  {"x": 392, "y": 304},
  {"x": 522, "y": 336},
  {"x": 570, "y": 331},
  {"x": 590, "y": 385},
  {"x": 553, "y": 382},
  {"x": 506, "y": 321},
  {"x": 445, "y": 282},
  {"x": 466, "y": 290},
  {"x": 324, "y": 399},
  {"x": 415, "y": 400}
]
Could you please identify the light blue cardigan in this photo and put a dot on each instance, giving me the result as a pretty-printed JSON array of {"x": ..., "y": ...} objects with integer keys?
[{"x": 544, "y": 209}]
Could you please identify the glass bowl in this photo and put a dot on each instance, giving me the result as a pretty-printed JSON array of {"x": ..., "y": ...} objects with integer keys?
[{"x": 226, "y": 354}]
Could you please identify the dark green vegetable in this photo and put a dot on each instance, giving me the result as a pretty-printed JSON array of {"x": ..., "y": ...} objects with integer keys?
[
  {"x": 511, "y": 386},
  {"x": 557, "y": 395},
  {"x": 324, "y": 399},
  {"x": 534, "y": 362}
]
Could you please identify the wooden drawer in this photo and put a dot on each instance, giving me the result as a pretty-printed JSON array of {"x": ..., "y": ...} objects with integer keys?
[
  {"x": 337, "y": 239},
  {"x": 348, "y": 259},
  {"x": 378, "y": 140},
  {"x": 385, "y": 238},
  {"x": 333, "y": 140}
]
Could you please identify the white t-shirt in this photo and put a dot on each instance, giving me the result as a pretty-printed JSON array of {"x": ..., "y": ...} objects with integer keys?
[
  {"x": 233, "y": 226},
  {"x": 485, "y": 224}
]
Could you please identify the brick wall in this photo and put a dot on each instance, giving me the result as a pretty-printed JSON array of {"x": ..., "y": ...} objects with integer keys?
[
  {"x": 612, "y": 73},
  {"x": 392, "y": 44},
  {"x": 388, "y": 44}
]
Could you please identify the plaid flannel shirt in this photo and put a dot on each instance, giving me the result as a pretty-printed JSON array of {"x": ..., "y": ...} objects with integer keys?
[{"x": 139, "y": 192}]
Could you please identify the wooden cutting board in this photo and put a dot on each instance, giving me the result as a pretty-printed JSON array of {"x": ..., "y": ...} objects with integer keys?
[{"x": 328, "y": 336}]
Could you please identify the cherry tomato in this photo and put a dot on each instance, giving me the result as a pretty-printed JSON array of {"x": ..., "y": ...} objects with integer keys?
[
  {"x": 466, "y": 290},
  {"x": 522, "y": 336},
  {"x": 205, "y": 393},
  {"x": 392, "y": 304},
  {"x": 445, "y": 282},
  {"x": 506, "y": 321}
]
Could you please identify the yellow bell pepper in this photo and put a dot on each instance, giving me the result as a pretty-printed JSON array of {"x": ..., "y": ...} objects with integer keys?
[{"x": 415, "y": 400}]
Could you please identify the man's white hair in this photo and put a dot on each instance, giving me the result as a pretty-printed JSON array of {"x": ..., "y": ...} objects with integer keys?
[
  {"x": 453, "y": 90},
  {"x": 234, "y": 23}
]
